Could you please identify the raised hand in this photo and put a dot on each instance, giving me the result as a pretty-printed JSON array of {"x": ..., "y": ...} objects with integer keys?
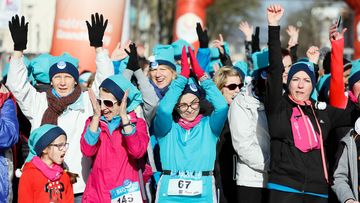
[
  {"x": 185, "y": 67},
  {"x": 293, "y": 33},
  {"x": 18, "y": 32},
  {"x": 247, "y": 29},
  {"x": 219, "y": 43},
  {"x": 133, "y": 63},
  {"x": 334, "y": 34},
  {"x": 123, "y": 105},
  {"x": 119, "y": 51},
  {"x": 313, "y": 53},
  {"x": 96, "y": 30},
  {"x": 202, "y": 35},
  {"x": 274, "y": 14},
  {"x": 255, "y": 44},
  {"x": 199, "y": 72},
  {"x": 94, "y": 103}
]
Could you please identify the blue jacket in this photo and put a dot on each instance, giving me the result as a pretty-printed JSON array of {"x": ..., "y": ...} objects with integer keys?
[
  {"x": 9, "y": 135},
  {"x": 191, "y": 150},
  {"x": 203, "y": 56}
]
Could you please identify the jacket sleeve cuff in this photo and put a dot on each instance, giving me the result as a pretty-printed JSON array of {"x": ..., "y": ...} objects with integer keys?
[
  {"x": 92, "y": 137},
  {"x": 132, "y": 131}
]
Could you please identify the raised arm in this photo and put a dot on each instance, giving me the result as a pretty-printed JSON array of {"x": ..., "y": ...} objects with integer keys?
[
  {"x": 337, "y": 97},
  {"x": 26, "y": 95},
  {"x": 218, "y": 116},
  {"x": 149, "y": 95},
  {"x": 274, "y": 77},
  {"x": 104, "y": 66}
]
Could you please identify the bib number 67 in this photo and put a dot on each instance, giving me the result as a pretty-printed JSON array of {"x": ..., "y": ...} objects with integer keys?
[{"x": 183, "y": 183}]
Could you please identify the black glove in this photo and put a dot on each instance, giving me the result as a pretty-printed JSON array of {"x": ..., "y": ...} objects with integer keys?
[
  {"x": 203, "y": 36},
  {"x": 18, "y": 32},
  {"x": 255, "y": 41},
  {"x": 133, "y": 63},
  {"x": 96, "y": 30}
]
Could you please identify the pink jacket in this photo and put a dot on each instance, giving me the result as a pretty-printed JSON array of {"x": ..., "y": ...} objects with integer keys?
[{"x": 115, "y": 159}]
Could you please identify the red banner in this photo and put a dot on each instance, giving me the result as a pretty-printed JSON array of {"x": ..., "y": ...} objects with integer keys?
[
  {"x": 70, "y": 31},
  {"x": 188, "y": 13},
  {"x": 355, "y": 5}
]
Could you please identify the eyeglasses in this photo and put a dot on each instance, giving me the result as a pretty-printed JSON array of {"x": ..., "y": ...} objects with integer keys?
[
  {"x": 183, "y": 107},
  {"x": 61, "y": 146},
  {"x": 106, "y": 102},
  {"x": 234, "y": 86}
]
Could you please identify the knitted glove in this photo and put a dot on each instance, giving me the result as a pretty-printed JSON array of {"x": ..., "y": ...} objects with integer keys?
[
  {"x": 255, "y": 42},
  {"x": 185, "y": 67},
  {"x": 18, "y": 32},
  {"x": 199, "y": 72},
  {"x": 203, "y": 36},
  {"x": 96, "y": 29},
  {"x": 133, "y": 63}
]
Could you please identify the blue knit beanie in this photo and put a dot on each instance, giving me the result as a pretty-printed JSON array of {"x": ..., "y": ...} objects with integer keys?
[
  {"x": 163, "y": 55},
  {"x": 40, "y": 66},
  {"x": 117, "y": 85},
  {"x": 307, "y": 67},
  {"x": 41, "y": 137},
  {"x": 64, "y": 67},
  {"x": 178, "y": 45},
  {"x": 354, "y": 73}
]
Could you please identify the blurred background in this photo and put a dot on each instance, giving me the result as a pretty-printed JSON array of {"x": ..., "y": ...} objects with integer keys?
[{"x": 54, "y": 23}]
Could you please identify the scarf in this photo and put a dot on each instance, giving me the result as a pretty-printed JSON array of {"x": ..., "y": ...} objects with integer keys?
[
  {"x": 353, "y": 98},
  {"x": 56, "y": 106},
  {"x": 187, "y": 125},
  {"x": 159, "y": 92},
  {"x": 301, "y": 103},
  {"x": 52, "y": 174}
]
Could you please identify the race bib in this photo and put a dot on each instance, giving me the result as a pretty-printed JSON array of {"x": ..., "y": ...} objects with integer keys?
[
  {"x": 129, "y": 192},
  {"x": 185, "y": 187}
]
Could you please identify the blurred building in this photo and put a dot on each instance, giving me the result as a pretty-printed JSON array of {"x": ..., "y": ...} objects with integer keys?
[{"x": 40, "y": 15}]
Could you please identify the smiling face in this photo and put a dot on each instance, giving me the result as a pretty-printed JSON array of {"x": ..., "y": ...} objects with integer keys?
[
  {"x": 227, "y": 91},
  {"x": 162, "y": 76},
  {"x": 300, "y": 86},
  {"x": 188, "y": 106},
  {"x": 109, "y": 111},
  {"x": 63, "y": 83},
  {"x": 54, "y": 154}
]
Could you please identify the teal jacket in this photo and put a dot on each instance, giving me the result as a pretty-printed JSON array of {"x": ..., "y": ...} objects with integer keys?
[{"x": 191, "y": 150}]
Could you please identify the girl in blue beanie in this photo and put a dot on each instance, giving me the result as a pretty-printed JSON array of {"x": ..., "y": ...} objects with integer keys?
[{"x": 43, "y": 178}]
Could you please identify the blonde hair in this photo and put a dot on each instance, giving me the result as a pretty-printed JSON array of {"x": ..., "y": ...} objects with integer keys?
[{"x": 220, "y": 77}]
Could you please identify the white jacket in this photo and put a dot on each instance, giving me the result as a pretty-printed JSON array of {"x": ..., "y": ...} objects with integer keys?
[
  {"x": 251, "y": 140},
  {"x": 33, "y": 104}
]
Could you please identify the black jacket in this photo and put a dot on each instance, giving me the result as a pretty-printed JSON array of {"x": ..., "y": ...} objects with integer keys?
[{"x": 289, "y": 166}]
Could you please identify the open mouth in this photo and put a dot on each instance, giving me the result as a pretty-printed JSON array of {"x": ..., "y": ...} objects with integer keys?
[{"x": 62, "y": 156}]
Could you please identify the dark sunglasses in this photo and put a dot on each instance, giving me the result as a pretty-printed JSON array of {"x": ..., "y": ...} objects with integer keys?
[
  {"x": 106, "y": 102},
  {"x": 234, "y": 86}
]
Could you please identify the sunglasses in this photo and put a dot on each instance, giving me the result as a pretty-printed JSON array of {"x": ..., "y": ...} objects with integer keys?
[
  {"x": 106, "y": 102},
  {"x": 234, "y": 86}
]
